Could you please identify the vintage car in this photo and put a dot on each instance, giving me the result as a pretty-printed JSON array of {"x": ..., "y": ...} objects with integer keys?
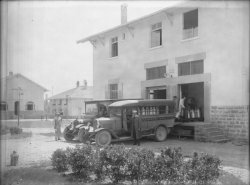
[
  {"x": 157, "y": 117},
  {"x": 93, "y": 109}
]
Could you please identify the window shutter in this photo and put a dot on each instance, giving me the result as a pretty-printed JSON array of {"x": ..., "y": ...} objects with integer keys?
[
  {"x": 107, "y": 92},
  {"x": 120, "y": 90}
]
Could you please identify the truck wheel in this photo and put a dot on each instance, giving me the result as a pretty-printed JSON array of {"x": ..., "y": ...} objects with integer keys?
[
  {"x": 67, "y": 134},
  {"x": 103, "y": 138},
  {"x": 160, "y": 133},
  {"x": 83, "y": 136}
]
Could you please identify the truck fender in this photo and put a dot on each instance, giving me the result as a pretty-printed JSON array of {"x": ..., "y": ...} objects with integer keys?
[{"x": 110, "y": 131}]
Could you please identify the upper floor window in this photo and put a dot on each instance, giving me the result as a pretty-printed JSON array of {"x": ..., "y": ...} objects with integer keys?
[
  {"x": 114, "y": 47},
  {"x": 156, "y": 35},
  {"x": 190, "y": 24},
  {"x": 155, "y": 72},
  {"x": 3, "y": 106},
  {"x": 60, "y": 102},
  {"x": 191, "y": 68},
  {"x": 30, "y": 106},
  {"x": 113, "y": 89}
]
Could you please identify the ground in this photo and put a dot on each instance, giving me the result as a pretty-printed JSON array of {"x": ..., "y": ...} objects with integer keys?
[{"x": 35, "y": 152}]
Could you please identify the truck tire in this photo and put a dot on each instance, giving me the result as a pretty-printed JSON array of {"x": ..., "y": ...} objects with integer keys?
[
  {"x": 103, "y": 138},
  {"x": 161, "y": 133},
  {"x": 68, "y": 134}
]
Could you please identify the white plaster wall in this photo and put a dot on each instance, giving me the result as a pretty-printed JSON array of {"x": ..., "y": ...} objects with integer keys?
[
  {"x": 223, "y": 36},
  {"x": 30, "y": 91}
]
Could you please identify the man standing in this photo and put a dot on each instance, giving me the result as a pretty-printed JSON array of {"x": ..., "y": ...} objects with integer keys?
[
  {"x": 57, "y": 126},
  {"x": 136, "y": 128},
  {"x": 181, "y": 107}
]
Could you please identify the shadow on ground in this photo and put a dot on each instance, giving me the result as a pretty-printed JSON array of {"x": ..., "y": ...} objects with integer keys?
[{"x": 44, "y": 174}]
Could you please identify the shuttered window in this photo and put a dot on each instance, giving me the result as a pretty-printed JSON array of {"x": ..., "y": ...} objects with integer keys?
[
  {"x": 191, "y": 68},
  {"x": 113, "y": 89},
  {"x": 114, "y": 47},
  {"x": 156, "y": 35},
  {"x": 3, "y": 106},
  {"x": 155, "y": 72}
]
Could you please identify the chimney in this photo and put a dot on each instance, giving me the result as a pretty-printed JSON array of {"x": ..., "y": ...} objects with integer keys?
[
  {"x": 10, "y": 73},
  {"x": 77, "y": 84},
  {"x": 123, "y": 13}
]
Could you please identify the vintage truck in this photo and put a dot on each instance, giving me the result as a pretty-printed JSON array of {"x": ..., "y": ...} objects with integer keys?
[{"x": 157, "y": 118}]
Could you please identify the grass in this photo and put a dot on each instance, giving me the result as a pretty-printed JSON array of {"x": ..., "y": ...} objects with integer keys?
[{"x": 41, "y": 175}]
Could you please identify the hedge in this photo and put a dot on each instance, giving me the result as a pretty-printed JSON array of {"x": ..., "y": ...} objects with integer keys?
[{"x": 119, "y": 164}]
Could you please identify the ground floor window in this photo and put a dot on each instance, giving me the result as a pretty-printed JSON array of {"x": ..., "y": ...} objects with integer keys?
[
  {"x": 113, "y": 89},
  {"x": 3, "y": 106},
  {"x": 30, "y": 106}
]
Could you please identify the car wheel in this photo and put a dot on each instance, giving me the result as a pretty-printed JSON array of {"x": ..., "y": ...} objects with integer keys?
[
  {"x": 103, "y": 138},
  {"x": 83, "y": 135},
  {"x": 161, "y": 133},
  {"x": 68, "y": 134}
]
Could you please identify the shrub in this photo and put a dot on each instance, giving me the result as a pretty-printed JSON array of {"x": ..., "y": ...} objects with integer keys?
[
  {"x": 4, "y": 130},
  {"x": 59, "y": 160},
  {"x": 168, "y": 167},
  {"x": 15, "y": 130},
  {"x": 203, "y": 169},
  {"x": 80, "y": 160},
  {"x": 114, "y": 159},
  {"x": 139, "y": 162}
]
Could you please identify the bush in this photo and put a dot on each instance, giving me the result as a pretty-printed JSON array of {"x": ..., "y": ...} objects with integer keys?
[
  {"x": 59, "y": 160},
  {"x": 15, "y": 130},
  {"x": 80, "y": 160},
  {"x": 114, "y": 159},
  {"x": 136, "y": 164},
  {"x": 203, "y": 169},
  {"x": 4, "y": 130}
]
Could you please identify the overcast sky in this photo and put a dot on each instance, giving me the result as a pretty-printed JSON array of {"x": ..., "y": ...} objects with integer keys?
[{"x": 42, "y": 37}]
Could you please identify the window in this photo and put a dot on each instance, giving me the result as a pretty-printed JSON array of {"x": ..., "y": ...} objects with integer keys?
[
  {"x": 54, "y": 102},
  {"x": 123, "y": 36},
  {"x": 191, "y": 68},
  {"x": 60, "y": 102},
  {"x": 113, "y": 89},
  {"x": 156, "y": 35},
  {"x": 3, "y": 106},
  {"x": 155, "y": 72},
  {"x": 190, "y": 24},
  {"x": 30, "y": 106},
  {"x": 114, "y": 47}
]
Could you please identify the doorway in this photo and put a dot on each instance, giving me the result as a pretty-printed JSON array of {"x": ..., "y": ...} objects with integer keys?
[{"x": 195, "y": 93}]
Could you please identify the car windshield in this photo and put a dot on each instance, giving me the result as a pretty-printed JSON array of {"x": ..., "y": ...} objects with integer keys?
[
  {"x": 92, "y": 108},
  {"x": 115, "y": 112}
]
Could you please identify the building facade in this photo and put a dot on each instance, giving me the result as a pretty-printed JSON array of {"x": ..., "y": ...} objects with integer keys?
[
  {"x": 30, "y": 95},
  {"x": 196, "y": 49},
  {"x": 71, "y": 102}
]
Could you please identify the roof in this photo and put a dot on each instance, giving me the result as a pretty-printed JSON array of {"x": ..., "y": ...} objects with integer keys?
[
  {"x": 9, "y": 77},
  {"x": 131, "y": 103},
  {"x": 130, "y": 23},
  {"x": 78, "y": 92},
  {"x": 108, "y": 100}
]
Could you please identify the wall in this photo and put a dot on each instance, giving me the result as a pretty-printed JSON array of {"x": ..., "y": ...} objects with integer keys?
[
  {"x": 233, "y": 120},
  {"x": 224, "y": 42}
]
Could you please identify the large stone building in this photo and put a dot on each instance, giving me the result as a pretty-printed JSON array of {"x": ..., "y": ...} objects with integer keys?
[
  {"x": 18, "y": 88},
  {"x": 71, "y": 102},
  {"x": 200, "y": 49}
]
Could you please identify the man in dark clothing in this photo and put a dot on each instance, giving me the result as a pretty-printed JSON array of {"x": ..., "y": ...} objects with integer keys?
[{"x": 136, "y": 128}]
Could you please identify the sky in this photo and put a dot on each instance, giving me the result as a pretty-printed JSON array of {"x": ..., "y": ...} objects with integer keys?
[{"x": 41, "y": 37}]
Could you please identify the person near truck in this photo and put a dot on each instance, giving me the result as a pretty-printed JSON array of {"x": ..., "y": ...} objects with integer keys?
[
  {"x": 57, "y": 126},
  {"x": 136, "y": 128},
  {"x": 181, "y": 107}
]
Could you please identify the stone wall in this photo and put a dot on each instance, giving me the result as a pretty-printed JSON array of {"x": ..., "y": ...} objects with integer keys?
[{"x": 232, "y": 120}]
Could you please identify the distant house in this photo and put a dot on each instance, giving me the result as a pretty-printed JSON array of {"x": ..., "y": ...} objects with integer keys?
[
  {"x": 70, "y": 102},
  {"x": 18, "y": 88}
]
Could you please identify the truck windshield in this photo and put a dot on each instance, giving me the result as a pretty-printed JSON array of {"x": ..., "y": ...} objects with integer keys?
[
  {"x": 115, "y": 112},
  {"x": 92, "y": 108}
]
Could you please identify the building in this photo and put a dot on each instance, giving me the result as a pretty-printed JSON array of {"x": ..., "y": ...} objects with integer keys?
[
  {"x": 18, "y": 88},
  {"x": 70, "y": 102},
  {"x": 197, "y": 49}
]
